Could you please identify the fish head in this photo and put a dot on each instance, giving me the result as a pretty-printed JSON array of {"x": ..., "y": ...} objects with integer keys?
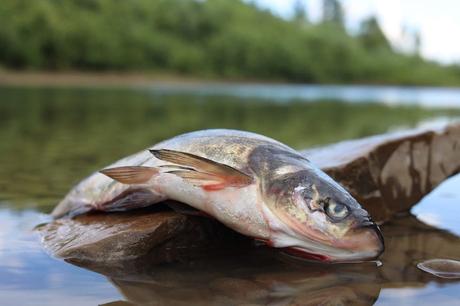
[{"x": 316, "y": 218}]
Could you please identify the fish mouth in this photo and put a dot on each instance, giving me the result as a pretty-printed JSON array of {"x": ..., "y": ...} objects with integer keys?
[
  {"x": 364, "y": 243},
  {"x": 381, "y": 241},
  {"x": 316, "y": 257},
  {"x": 370, "y": 239}
]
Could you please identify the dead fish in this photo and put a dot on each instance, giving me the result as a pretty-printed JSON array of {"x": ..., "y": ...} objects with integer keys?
[{"x": 251, "y": 183}]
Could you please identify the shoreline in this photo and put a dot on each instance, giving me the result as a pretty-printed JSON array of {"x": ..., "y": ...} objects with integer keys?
[
  {"x": 143, "y": 79},
  {"x": 91, "y": 79}
]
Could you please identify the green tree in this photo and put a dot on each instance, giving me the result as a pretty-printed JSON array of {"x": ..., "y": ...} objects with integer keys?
[
  {"x": 417, "y": 43},
  {"x": 213, "y": 38},
  {"x": 333, "y": 13},
  {"x": 300, "y": 11},
  {"x": 372, "y": 36}
]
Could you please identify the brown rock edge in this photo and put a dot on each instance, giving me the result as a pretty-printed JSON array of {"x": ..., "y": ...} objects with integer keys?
[
  {"x": 387, "y": 174},
  {"x": 162, "y": 236},
  {"x": 390, "y": 173}
]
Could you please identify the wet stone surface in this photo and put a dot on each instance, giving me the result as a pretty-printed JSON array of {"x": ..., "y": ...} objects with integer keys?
[
  {"x": 388, "y": 174},
  {"x": 262, "y": 276},
  {"x": 119, "y": 237}
]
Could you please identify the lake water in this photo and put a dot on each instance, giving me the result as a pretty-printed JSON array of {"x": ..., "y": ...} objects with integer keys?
[
  {"x": 389, "y": 95},
  {"x": 50, "y": 138}
]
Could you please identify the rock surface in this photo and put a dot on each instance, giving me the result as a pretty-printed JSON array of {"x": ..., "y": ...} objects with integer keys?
[
  {"x": 388, "y": 174},
  {"x": 260, "y": 276},
  {"x": 122, "y": 237}
]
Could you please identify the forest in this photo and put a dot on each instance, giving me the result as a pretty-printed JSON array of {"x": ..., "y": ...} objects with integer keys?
[{"x": 212, "y": 39}]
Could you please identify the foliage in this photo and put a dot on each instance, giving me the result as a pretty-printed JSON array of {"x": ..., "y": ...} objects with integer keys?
[
  {"x": 333, "y": 12},
  {"x": 300, "y": 11},
  {"x": 371, "y": 36},
  {"x": 212, "y": 38}
]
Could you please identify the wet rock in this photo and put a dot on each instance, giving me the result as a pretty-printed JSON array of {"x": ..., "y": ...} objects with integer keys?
[
  {"x": 118, "y": 237},
  {"x": 408, "y": 241},
  {"x": 237, "y": 288},
  {"x": 262, "y": 276},
  {"x": 390, "y": 173}
]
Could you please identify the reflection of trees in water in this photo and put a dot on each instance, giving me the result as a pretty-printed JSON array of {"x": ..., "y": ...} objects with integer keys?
[
  {"x": 60, "y": 135},
  {"x": 267, "y": 277}
]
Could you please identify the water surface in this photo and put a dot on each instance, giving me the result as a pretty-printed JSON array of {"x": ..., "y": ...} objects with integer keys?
[
  {"x": 52, "y": 138},
  {"x": 390, "y": 95}
]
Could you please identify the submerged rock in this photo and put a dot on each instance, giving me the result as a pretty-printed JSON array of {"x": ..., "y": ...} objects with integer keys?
[
  {"x": 260, "y": 276},
  {"x": 408, "y": 241},
  {"x": 388, "y": 174}
]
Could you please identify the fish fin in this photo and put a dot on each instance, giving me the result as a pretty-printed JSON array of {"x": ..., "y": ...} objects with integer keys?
[
  {"x": 186, "y": 209},
  {"x": 175, "y": 167},
  {"x": 130, "y": 174},
  {"x": 131, "y": 199},
  {"x": 70, "y": 209},
  {"x": 193, "y": 161},
  {"x": 197, "y": 178},
  {"x": 203, "y": 172}
]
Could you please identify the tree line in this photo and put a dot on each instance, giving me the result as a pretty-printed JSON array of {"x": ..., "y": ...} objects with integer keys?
[{"x": 205, "y": 38}]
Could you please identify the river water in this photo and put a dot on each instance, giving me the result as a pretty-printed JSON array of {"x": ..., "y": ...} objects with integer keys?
[
  {"x": 50, "y": 138},
  {"x": 390, "y": 95}
]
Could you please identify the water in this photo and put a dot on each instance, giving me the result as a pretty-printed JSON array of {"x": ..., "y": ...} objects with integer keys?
[
  {"x": 390, "y": 95},
  {"x": 51, "y": 138}
]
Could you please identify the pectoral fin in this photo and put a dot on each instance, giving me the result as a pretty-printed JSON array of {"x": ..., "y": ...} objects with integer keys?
[
  {"x": 130, "y": 174},
  {"x": 203, "y": 172}
]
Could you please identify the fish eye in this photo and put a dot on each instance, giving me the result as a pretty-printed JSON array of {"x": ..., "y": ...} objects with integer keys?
[{"x": 336, "y": 211}]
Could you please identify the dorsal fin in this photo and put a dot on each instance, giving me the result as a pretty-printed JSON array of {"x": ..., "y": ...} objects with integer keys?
[{"x": 203, "y": 172}]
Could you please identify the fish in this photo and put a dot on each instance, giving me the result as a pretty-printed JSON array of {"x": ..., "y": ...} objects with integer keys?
[{"x": 251, "y": 183}]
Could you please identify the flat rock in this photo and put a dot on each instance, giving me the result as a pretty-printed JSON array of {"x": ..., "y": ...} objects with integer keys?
[
  {"x": 388, "y": 174},
  {"x": 262, "y": 276},
  {"x": 120, "y": 237}
]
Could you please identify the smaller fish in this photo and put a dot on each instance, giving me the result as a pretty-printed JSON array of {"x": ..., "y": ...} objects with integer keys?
[{"x": 253, "y": 184}]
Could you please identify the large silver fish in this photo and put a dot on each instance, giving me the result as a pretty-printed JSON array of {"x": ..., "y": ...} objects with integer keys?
[{"x": 251, "y": 183}]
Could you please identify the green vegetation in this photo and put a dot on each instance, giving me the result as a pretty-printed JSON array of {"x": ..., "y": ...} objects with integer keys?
[{"x": 213, "y": 38}]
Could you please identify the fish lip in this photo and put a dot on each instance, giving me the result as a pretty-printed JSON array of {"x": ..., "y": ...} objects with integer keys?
[
  {"x": 382, "y": 240},
  {"x": 378, "y": 232},
  {"x": 305, "y": 254},
  {"x": 301, "y": 253}
]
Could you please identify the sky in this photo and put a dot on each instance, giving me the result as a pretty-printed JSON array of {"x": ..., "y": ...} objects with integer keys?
[{"x": 438, "y": 21}]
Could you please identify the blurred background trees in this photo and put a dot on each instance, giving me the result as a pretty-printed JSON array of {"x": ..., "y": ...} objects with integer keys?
[
  {"x": 207, "y": 38},
  {"x": 333, "y": 13},
  {"x": 371, "y": 36}
]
